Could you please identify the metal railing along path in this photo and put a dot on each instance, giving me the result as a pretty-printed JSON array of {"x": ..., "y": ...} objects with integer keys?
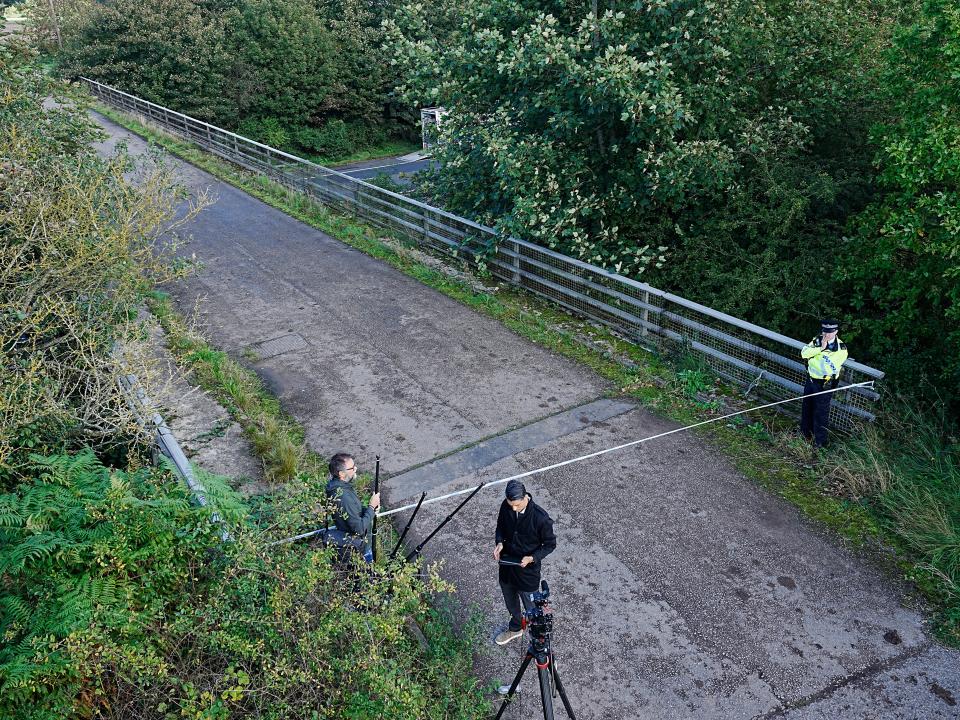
[
  {"x": 739, "y": 351},
  {"x": 166, "y": 443}
]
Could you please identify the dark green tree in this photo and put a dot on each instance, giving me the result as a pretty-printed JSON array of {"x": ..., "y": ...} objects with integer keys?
[
  {"x": 284, "y": 60},
  {"x": 171, "y": 52},
  {"x": 363, "y": 79},
  {"x": 903, "y": 262}
]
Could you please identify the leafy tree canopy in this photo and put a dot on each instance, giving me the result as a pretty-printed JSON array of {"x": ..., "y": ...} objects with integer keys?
[
  {"x": 612, "y": 135},
  {"x": 903, "y": 263}
]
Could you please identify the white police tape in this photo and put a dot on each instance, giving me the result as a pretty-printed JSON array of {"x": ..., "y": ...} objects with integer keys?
[
  {"x": 868, "y": 383},
  {"x": 528, "y": 473}
]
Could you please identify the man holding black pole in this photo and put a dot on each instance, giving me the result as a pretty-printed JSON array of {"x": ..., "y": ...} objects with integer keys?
[
  {"x": 350, "y": 516},
  {"x": 523, "y": 538}
]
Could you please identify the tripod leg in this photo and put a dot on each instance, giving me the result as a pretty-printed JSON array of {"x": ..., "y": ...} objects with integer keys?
[
  {"x": 513, "y": 685},
  {"x": 563, "y": 694},
  {"x": 546, "y": 692}
]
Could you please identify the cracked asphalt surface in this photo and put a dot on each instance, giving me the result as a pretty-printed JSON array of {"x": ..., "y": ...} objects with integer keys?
[{"x": 682, "y": 590}]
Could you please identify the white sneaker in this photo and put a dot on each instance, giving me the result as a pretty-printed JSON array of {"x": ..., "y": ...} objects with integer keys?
[{"x": 508, "y": 635}]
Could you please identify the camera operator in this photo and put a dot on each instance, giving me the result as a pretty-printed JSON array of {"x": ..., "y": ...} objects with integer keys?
[
  {"x": 524, "y": 537},
  {"x": 350, "y": 516}
]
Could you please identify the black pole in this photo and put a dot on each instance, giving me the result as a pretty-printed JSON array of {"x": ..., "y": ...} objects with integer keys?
[
  {"x": 407, "y": 526},
  {"x": 373, "y": 531},
  {"x": 546, "y": 691},
  {"x": 563, "y": 695},
  {"x": 514, "y": 684},
  {"x": 447, "y": 519}
]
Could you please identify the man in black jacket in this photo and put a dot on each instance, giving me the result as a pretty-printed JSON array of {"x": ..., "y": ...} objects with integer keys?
[
  {"x": 524, "y": 537},
  {"x": 350, "y": 516}
]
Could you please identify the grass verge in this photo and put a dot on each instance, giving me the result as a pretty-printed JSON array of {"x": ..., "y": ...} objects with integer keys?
[
  {"x": 894, "y": 521},
  {"x": 275, "y": 437},
  {"x": 390, "y": 148}
]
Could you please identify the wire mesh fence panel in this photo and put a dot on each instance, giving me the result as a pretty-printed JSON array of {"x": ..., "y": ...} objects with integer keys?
[{"x": 753, "y": 357}]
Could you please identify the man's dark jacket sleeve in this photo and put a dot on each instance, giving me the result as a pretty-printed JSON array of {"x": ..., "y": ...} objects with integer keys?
[
  {"x": 352, "y": 517},
  {"x": 498, "y": 536},
  {"x": 548, "y": 540}
]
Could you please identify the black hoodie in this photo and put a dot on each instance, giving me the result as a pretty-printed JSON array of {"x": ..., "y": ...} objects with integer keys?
[{"x": 529, "y": 533}]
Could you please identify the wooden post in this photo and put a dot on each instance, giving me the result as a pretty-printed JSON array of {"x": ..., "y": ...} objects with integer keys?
[
  {"x": 645, "y": 313},
  {"x": 516, "y": 278}
]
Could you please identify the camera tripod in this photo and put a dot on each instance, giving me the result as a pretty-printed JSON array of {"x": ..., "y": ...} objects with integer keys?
[{"x": 540, "y": 622}]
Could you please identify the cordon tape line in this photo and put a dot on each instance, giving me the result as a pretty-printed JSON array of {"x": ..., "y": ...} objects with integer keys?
[{"x": 537, "y": 471}]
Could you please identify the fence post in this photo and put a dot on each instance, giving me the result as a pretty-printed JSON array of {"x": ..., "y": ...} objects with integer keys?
[
  {"x": 426, "y": 228},
  {"x": 645, "y": 313},
  {"x": 516, "y": 278}
]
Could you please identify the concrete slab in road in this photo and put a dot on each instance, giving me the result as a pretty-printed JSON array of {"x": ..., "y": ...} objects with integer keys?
[{"x": 426, "y": 477}]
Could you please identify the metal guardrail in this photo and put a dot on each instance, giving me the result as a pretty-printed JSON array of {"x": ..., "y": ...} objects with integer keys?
[
  {"x": 739, "y": 351},
  {"x": 167, "y": 444}
]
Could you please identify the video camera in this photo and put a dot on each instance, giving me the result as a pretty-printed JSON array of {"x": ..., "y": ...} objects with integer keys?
[{"x": 539, "y": 618}]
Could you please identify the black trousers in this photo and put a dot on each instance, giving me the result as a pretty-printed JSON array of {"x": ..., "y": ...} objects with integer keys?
[
  {"x": 815, "y": 413},
  {"x": 512, "y": 597}
]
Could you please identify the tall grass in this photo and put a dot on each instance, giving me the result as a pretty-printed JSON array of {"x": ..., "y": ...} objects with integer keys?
[{"x": 908, "y": 471}]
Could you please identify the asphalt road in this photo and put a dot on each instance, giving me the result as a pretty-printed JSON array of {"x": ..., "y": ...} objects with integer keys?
[
  {"x": 399, "y": 169},
  {"x": 682, "y": 590}
]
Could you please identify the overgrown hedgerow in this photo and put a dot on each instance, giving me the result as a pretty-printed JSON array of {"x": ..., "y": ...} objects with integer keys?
[{"x": 119, "y": 599}]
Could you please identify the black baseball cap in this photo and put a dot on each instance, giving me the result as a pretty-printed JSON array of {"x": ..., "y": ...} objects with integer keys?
[{"x": 515, "y": 490}]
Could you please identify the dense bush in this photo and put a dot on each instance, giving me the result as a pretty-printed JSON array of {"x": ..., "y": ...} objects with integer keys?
[
  {"x": 337, "y": 138},
  {"x": 281, "y": 60},
  {"x": 78, "y": 247},
  {"x": 901, "y": 264},
  {"x": 272, "y": 69},
  {"x": 157, "y": 50},
  {"x": 333, "y": 139},
  {"x": 613, "y": 138},
  {"x": 119, "y": 599},
  {"x": 90, "y": 562},
  {"x": 269, "y": 131}
]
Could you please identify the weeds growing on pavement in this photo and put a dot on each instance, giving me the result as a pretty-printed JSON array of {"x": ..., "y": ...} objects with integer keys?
[{"x": 275, "y": 437}]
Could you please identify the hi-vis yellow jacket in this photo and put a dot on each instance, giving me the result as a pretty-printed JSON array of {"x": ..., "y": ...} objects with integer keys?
[{"x": 824, "y": 364}]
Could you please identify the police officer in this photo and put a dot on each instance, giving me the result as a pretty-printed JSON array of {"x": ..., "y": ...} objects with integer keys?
[{"x": 825, "y": 355}]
